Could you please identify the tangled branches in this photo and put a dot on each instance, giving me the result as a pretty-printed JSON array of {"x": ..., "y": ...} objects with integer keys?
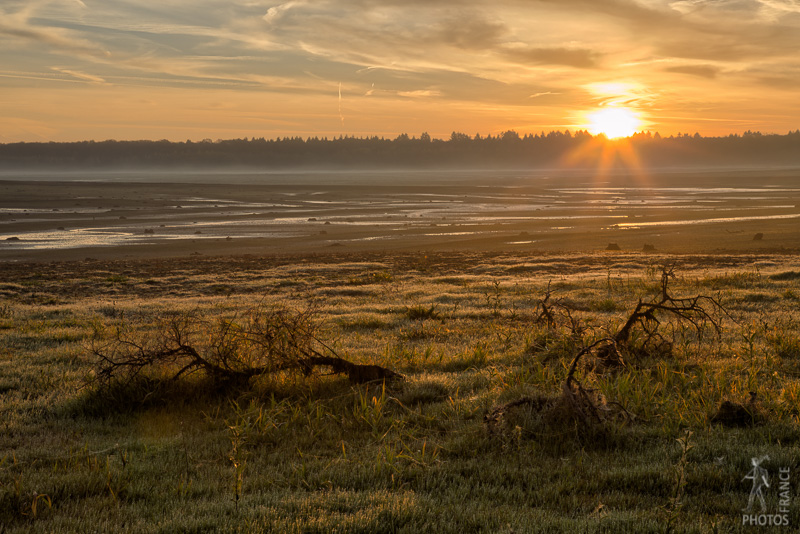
[
  {"x": 640, "y": 333},
  {"x": 692, "y": 310},
  {"x": 264, "y": 340},
  {"x": 644, "y": 321},
  {"x": 609, "y": 350}
]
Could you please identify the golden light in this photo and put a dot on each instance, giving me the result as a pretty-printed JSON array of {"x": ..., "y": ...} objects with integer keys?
[
  {"x": 614, "y": 122},
  {"x": 610, "y": 150}
]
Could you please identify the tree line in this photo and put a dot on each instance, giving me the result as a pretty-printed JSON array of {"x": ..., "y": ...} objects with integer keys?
[{"x": 507, "y": 150}]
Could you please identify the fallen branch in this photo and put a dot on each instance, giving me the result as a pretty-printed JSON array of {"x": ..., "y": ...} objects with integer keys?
[
  {"x": 579, "y": 399},
  {"x": 264, "y": 341},
  {"x": 356, "y": 373}
]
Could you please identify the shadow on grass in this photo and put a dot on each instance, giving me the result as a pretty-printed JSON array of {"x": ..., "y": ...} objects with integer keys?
[{"x": 147, "y": 391}]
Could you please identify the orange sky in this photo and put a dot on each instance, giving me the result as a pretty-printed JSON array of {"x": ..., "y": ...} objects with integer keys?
[{"x": 180, "y": 69}]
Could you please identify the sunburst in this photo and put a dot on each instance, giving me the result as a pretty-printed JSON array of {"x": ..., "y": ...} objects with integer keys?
[{"x": 614, "y": 122}]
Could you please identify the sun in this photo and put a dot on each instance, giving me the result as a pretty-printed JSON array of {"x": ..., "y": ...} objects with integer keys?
[{"x": 614, "y": 122}]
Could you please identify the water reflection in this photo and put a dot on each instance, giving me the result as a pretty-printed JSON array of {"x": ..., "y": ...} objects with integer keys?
[{"x": 444, "y": 210}]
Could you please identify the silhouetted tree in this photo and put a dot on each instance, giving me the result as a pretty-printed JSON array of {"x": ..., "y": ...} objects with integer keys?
[{"x": 460, "y": 150}]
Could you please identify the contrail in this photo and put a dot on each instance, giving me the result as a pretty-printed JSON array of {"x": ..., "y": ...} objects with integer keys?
[{"x": 341, "y": 117}]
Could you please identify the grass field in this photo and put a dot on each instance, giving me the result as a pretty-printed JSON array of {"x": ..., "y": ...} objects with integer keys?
[{"x": 294, "y": 453}]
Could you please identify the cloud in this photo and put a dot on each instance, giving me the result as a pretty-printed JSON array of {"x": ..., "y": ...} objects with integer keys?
[
  {"x": 775, "y": 8},
  {"x": 621, "y": 93},
  {"x": 712, "y": 30},
  {"x": 56, "y": 40},
  {"x": 782, "y": 76},
  {"x": 571, "y": 57},
  {"x": 784, "y": 83},
  {"x": 545, "y": 93},
  {"x": 704, "y": 71},
  {"x": 17, "y": 27},
  {"x": 629, "y": 11},
  {"x": 80, "y": 75},
  {"x": 423, "y": 93},
  {"x": 469, "y": 31},
  {"x": 276, "y": 13}
]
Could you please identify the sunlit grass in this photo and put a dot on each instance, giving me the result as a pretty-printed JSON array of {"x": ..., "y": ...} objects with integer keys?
[{"x": 299, "y": 454}]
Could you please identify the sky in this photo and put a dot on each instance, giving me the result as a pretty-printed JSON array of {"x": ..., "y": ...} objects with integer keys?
[{"x": 221, "y": 69}]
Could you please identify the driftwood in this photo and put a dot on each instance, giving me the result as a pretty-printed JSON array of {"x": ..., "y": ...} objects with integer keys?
[
  {"x": 640, "y": 332},
  {"x": 646, "y": 317},
  {"x": 577, "y": 408},
  {"x": 587, "y": 406},
  {"x": 134, "y": 364}
]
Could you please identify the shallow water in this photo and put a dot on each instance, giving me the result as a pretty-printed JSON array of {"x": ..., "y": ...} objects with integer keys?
[
  {"x": 284, "y": 208},
  {"x": 711, "y": 220}
]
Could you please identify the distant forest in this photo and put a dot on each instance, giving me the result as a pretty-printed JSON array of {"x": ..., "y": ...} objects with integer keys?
[{"x": 506, "y": 151}]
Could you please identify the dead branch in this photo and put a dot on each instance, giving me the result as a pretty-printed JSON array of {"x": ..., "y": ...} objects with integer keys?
[
  {"x": 578, "y": 398},
  {"x": 588, "y": 406},
  {"x": 544, "y": 308},
  {"x": 584, "y": 402},
  {"x": 645, "y": 317},
  {"x": 263, "y": 341},
  {"x": 687, "y": 309},
  {"x": 356, "y": 373},
  {"x": 552, "y": 312}
]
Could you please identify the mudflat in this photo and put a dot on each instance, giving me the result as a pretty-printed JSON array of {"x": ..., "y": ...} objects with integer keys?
[{"x": 156, "y": 215}]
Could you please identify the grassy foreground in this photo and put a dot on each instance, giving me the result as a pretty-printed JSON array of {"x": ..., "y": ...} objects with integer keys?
[{"x": 317, "y": 454}]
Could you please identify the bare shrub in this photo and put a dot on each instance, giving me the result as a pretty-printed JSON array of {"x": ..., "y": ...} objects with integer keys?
[
  {"x": 639, "y": 334},
  {"x": 553, "y": 312}
]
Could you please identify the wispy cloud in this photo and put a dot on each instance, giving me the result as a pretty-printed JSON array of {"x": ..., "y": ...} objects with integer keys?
[
  {"x": 79, "y": 75},
  {"x": 775, "y": 8},
  {"x": 276, "y": 13},
  {"x": 538, "y": 95},
  {"x": 57, "y": 40},
  {"x": 581, "y": 58},
  {"x": 504, "y": 57},
  {"x": 422, "y": 93},
  {"x": 704, "y": 71}
]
